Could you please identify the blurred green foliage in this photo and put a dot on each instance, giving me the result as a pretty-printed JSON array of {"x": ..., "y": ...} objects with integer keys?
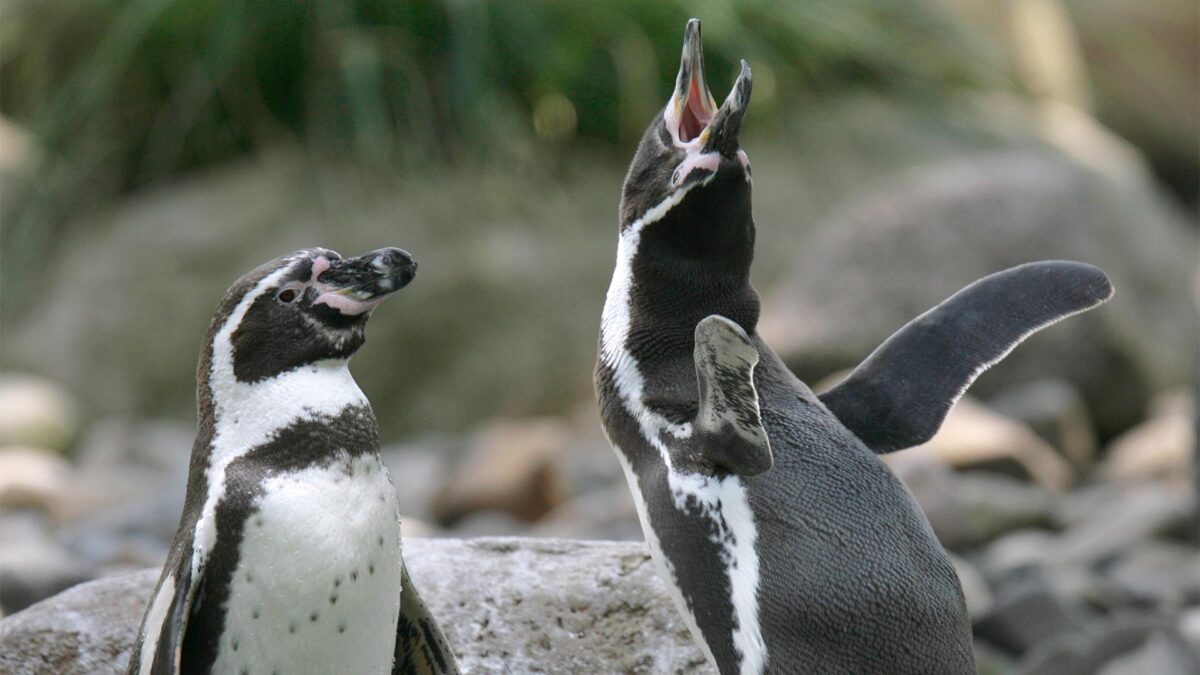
[{"x": 121, "y": 93}]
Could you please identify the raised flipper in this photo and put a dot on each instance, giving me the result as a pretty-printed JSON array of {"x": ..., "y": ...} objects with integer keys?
[
  {"x": 159, "y": 642},
  {"x": 728, "y": 433},
  {"x": 421, "y": 648},
  {"x": 899, "y": 395}
]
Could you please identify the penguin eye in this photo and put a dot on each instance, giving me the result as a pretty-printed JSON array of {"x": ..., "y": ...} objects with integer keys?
[{"x": 287, "y": 295}]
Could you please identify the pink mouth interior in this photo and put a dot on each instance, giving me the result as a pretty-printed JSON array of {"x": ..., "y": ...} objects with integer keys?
[{"x": 695, "y": 115}]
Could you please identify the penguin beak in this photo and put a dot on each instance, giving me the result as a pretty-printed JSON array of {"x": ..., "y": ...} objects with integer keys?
[
  {"x": 692, "y": 115},
  {"x": 355, "y": 286}
]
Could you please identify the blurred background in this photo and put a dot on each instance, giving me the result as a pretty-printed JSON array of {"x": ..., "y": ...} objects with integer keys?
[{"x": 151, "y": 151}]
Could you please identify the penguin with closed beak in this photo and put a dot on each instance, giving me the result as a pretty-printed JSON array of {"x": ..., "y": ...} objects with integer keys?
[
  {"x": 287, "y": 558},
  {"x": 786, "y": 542}
]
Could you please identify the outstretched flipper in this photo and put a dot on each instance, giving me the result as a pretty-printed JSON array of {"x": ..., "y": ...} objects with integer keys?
[
  {"x": 421, "y": 648},
  {"x": 899, "y": 396},
  {"x": 728, "y": 431},
  {"x": 159, "y": 644}
]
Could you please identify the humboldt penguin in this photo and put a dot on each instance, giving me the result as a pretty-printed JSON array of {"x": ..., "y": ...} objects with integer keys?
[
  {"x": 287, "y": 558},
  {"x": 785, "y": 541}
]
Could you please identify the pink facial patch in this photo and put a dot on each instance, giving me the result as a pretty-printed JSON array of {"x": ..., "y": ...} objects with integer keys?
[
  {"x": 695, "y": 160},
  {"x": 320, "y": 265},
  {"x": 346, "y": 304}
]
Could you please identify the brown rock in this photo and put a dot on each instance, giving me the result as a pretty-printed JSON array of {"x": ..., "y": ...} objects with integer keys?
[
  {"x": 512, "y": 467},
  {"x": 974, "y": 437},
  {"x": 1161, "y": 447}
]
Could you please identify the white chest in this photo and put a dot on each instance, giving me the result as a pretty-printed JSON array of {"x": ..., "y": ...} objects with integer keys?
[{"x": 317, "y": 588}]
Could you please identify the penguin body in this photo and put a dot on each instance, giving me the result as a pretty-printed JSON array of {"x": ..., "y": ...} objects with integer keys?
[
  {"x": 288, "y": 555},
  {"x": 785, "y": 541}
]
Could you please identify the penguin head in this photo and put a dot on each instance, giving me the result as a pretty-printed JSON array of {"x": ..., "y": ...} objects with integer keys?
[
  {"x": 309, "y": 306},
  {"x": 689, "y": 160}
]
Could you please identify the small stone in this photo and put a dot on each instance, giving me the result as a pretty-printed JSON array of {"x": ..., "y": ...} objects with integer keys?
[
  {"x": 34, "y": 479},
  {"x": 1189, "y": 627},
  {"x": 1165, "y": 653},
  {"x": 1017, "y": 550},
  {"x": 969, "y": 509},
  {"x": 1055, "y": 411},
  {"x": 1159, "y": 448},
  {"x": 975, "y": 588},
  {"x": 36, "y": 413},
  {"x": 1087, "y": 649},
  {"x": 1163, "y": 573},
  {"x": 1025, "y": 612},
  {"x": 1121, "y": 522},
  {"x": 34, "y": 566}
]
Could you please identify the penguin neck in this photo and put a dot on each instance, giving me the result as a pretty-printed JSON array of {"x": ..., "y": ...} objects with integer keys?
[
  {"x": 235, "y": 416},
  {"x": 674, "y": 293},
  {"x": 246, "y": 415},
  {"x": 659, "y": 292},
  {"x": 689, "y": 257}
]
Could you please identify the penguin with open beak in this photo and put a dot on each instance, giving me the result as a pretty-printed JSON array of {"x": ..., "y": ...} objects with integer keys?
[{"x": 785, "y": 541}]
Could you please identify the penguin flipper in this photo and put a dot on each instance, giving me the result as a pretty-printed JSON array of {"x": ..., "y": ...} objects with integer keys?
[
  {"x": 728, "y": 429},
  {"x": 899, "y": 396},
  {"x": 159, "y": 645},
  {"x": 421, "y": 647}
]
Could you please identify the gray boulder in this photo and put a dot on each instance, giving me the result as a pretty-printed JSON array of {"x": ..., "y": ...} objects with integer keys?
[
  {"x": 506, "y": 605},
  {"x": 888, "y": 254}
]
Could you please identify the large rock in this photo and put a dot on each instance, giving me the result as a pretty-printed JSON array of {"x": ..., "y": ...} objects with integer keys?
[
  {"x": 890, "y": 253},
  {"x": 506, "y": 605}
]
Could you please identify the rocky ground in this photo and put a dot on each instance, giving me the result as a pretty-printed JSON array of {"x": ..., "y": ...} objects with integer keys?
[{"x": 1070, "y": 564}]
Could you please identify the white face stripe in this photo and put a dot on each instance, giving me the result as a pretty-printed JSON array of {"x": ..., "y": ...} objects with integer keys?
[
  {"x": 725, "y": 497},
  {"x": 153, "y": 624},
  {"x": 249, "y": 414}
]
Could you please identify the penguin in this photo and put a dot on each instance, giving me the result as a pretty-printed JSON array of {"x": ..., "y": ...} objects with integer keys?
[
  {"x": 786, "y": 543},
  {"x": 287, "y": 558}
]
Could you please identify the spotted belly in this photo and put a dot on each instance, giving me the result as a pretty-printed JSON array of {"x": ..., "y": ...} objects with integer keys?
[{"x": 316, "y": 586}]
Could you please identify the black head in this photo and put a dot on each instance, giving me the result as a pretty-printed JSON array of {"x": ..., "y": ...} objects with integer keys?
[
  {"x": 687, "y": 231},
  {"x": 302, "y": 308},
  {"x": 691, "y": 147}
]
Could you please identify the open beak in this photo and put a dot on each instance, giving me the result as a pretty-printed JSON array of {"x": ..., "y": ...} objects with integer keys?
[
  {"x": 354, "y": 286},
  {"x": 692, "y": 115}
]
